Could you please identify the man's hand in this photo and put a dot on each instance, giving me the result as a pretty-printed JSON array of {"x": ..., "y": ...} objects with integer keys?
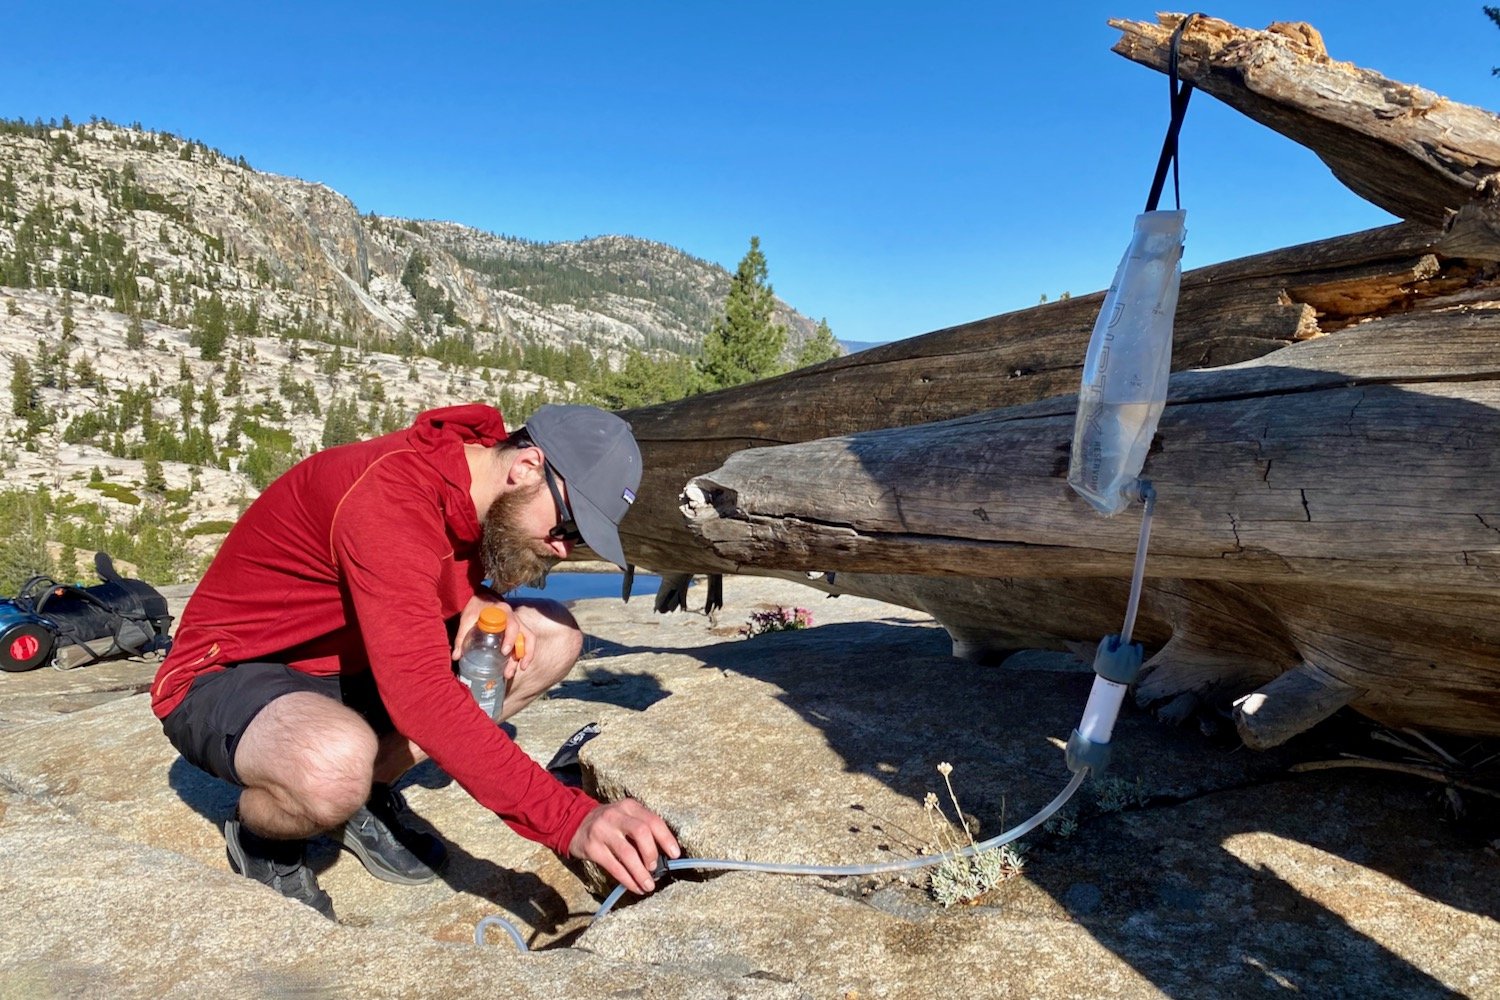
[
  {"x": 518, "y": 644},
  {"x": 625, "y": 839}
]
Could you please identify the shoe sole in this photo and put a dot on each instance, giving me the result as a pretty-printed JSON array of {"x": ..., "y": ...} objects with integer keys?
[
  {"x": 377, "y": 867},
  {"x": 237, "y": 860}
]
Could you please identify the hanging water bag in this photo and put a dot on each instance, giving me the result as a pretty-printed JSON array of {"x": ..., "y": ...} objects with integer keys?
[{"x": 1125, "y": 372}]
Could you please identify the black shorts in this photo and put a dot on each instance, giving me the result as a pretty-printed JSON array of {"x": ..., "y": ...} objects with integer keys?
[{"x": 207, "y": 725}]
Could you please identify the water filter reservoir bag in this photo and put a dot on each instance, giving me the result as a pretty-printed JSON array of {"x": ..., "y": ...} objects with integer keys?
[{"x": 1125, "y": 373}]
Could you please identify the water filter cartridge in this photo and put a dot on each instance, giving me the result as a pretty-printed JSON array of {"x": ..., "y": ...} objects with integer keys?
[{"x": 1125, "y": 372}]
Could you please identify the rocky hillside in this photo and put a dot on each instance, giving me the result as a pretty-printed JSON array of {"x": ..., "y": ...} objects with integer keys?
[{"x": 176, "y": 328}]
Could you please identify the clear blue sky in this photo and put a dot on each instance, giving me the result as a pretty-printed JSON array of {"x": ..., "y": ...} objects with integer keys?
[{"x": 907, "y": 166}]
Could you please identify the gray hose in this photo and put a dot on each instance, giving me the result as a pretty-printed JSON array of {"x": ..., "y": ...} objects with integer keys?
[
  {"x": 725, "y": 864},
  {"x": 495, "y": 920},
  {"x": 1005, "y": 837}
]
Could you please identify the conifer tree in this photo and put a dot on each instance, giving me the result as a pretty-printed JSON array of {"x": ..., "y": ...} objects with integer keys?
[
  {"x": 156, "y": 479},
  {"x": 210, "y": 327},
  {"x": 210, "y": 413},
  {"x": 68, "y": 326},
  {"x": 1493, "y": 13},
  {"x": 820, "y": 347},
  {"x": 744, "y": 344},
  {"x": 233, "y": 379},
  {"x": 22, "y": 389}
]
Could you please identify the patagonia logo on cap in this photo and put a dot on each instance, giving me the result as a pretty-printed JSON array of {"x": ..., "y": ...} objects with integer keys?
[{"x": 628, "y": 496}]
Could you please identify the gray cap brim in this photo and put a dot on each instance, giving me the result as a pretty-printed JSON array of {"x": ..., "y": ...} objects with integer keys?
[{"x": 597, "y": 530}]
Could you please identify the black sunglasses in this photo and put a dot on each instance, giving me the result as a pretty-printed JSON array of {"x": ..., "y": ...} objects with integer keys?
[{"x": 567, "y": 528}]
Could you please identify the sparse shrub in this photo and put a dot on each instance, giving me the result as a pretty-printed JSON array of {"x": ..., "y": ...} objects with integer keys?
[
  {"x": 117, "y": 492},
  {"x": 1113, "y": 795},
  {"x": 966, "y": 877},
  {"x": 1062, "y": 825},
  {"x": 778, "y": 620}
]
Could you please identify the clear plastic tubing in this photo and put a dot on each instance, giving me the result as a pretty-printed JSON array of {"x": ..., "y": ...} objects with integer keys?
[
  {"x": 1106, "y": 696},
  {"x": 1148, "y": 495},
  {"x": 503, "y": 924},
  {"x": 720, "y": 864}
]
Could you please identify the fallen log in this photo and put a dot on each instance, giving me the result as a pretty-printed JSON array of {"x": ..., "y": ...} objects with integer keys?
[
  {"x": 1334, "y": 505},
  {"x": 1307, "y": 464},
  {"x": 1227, "y": 312}
]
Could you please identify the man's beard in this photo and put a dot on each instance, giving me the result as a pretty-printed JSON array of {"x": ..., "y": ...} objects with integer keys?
[{"x": 510, "y": 558}]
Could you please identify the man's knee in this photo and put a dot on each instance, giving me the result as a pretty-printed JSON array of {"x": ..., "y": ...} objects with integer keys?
[
  {"x": 559, "y": 639},
  {"x": 313, "y": 753}
]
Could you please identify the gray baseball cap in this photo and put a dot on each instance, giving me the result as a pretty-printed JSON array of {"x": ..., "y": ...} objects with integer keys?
[{"x": 596, "y": 455}]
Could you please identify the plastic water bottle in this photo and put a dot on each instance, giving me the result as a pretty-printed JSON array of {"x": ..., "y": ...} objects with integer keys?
[
  {"x": 481, "y": 667},
  {"x": 1129, "y": 358}
]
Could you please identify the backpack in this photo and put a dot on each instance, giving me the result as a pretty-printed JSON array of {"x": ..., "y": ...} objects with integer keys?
[{"x": 72, "y": 626}]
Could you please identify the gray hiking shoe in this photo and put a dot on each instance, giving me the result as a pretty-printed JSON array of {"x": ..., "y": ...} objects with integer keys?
[
  {"x": 276, "y": 863},
  {"x": 390, "y": 850}
]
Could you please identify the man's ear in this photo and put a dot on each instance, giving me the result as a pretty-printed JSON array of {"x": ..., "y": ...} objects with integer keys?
[{"x": 527, "y": 466}]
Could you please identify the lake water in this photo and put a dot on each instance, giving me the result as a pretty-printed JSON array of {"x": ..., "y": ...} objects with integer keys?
[{"x": 563, "y": 586}]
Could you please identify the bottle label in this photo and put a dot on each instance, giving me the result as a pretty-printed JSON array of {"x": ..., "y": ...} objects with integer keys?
[{"x": 484, "y": 692}]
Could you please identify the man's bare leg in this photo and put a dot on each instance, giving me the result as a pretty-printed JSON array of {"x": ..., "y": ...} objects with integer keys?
[
  {"x": 306, "y": 762},
  {"x": 559, "y": 641}
]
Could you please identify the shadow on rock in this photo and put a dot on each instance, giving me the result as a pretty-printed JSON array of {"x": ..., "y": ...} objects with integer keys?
[
  {"x": 611, "y": 687},
  {"x": 1201, "y": 852},
  {"x": 210, "y": 797}
]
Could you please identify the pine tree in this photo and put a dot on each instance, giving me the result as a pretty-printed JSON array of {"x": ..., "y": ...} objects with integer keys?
[
  {"x": 156, "y": 479},
  {"x": 233, "y": 379},
  {"x": 68, "y": 326},
  {"x": 210, "y": 327},
  {"x": 343, "y": 424},
  {"x": 23, "y": 537},
  {"x": 210, "y": 414},
  {"x": 744, "y": 344},
  {"x": 24, "y": 398},
  {"x": 820, "y": 347}
]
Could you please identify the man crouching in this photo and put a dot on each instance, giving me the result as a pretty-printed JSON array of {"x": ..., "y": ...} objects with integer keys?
[{"x": 313, "y": 664}]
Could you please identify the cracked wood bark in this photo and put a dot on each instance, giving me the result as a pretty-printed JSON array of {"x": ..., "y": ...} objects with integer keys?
[
  {"x": 1408, "y": 150},
  {"x": 1227, "y": 312},
  {"x": 1339, "y": 498}
]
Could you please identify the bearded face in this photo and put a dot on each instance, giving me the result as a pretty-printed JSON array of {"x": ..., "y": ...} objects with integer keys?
[{"x": 511, "y": 559}]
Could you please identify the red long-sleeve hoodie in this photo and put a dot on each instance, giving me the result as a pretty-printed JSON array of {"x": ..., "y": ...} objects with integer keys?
[{"x": 352, "y": 561}]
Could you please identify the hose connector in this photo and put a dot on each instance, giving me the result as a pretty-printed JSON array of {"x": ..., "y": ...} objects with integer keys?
[
  {"x": 1116, "y": 666},
  {"x": 1118, "y": 661}
]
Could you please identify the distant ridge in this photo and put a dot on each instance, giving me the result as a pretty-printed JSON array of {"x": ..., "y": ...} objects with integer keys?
[{"x": 177, "y": 328}]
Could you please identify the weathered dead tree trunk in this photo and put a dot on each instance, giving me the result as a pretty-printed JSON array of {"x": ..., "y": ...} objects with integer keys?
[
  {"x": 1228, "y": 312},
  {"x": 1329, "y": 524},
  {"x": 1307, "y": 464},
  {"x": 1358, "y": 470},
  {"x": 1414, "y": 153}
]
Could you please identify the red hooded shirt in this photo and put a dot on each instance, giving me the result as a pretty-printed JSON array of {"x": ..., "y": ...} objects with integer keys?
[{"x": 353, "y": 561}]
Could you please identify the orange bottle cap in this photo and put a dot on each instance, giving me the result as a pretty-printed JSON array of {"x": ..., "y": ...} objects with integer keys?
[{"x": 492, "y": 620}]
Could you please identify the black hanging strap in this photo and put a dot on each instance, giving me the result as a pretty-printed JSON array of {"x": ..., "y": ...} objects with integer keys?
[{"x": 1179, "y": 101}]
